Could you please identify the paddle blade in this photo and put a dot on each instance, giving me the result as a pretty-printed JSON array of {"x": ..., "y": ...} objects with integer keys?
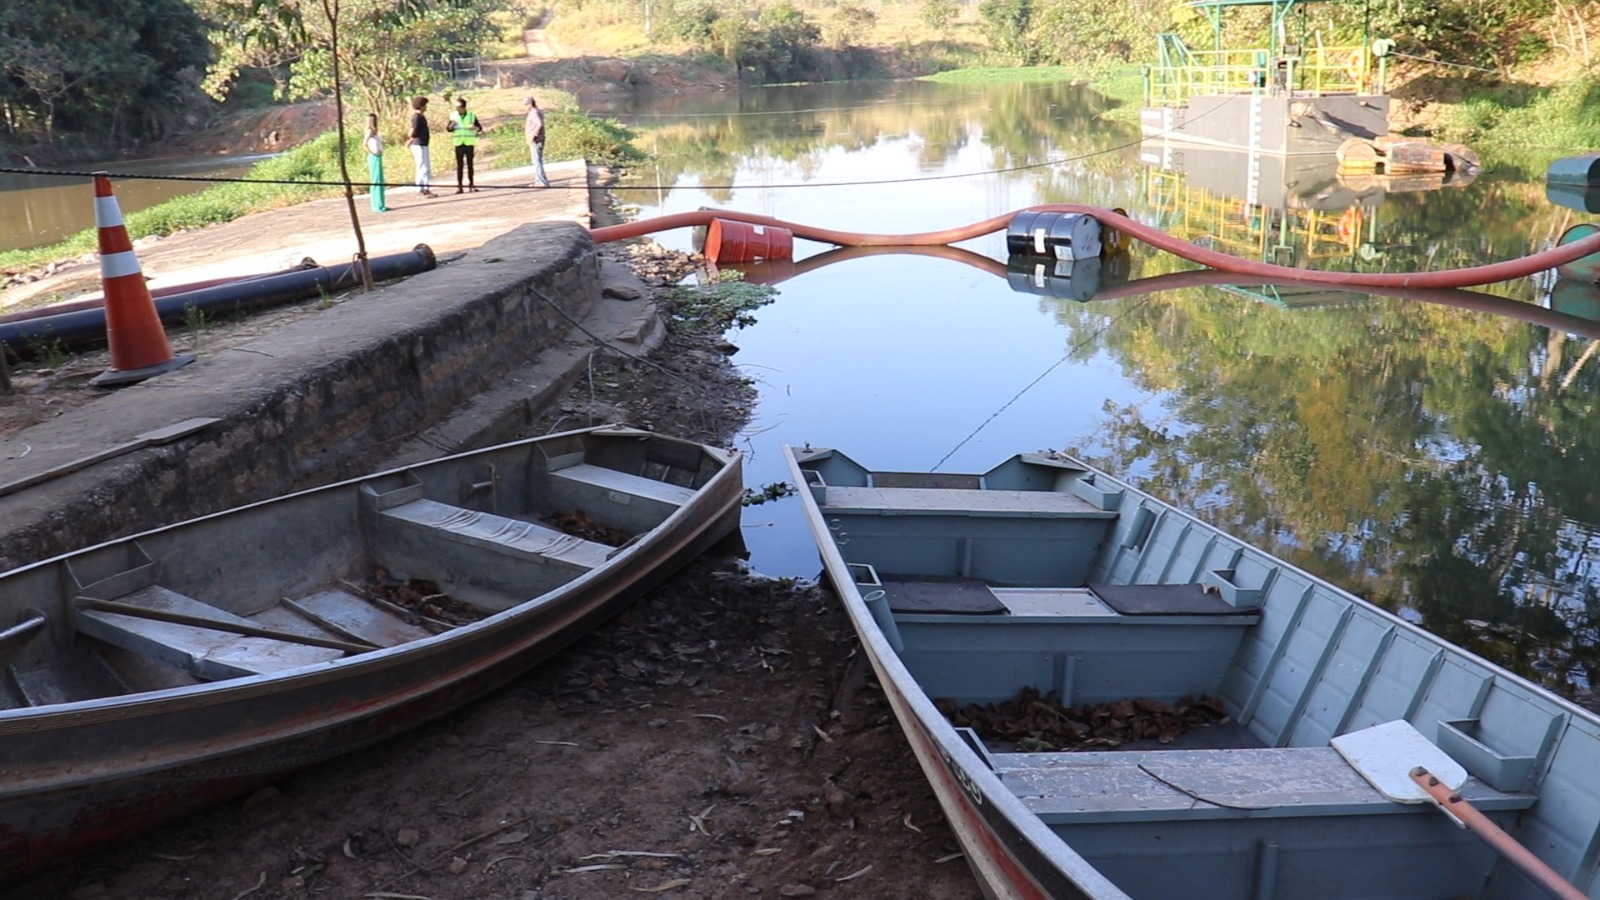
[{"x": 1385, "y": 755}]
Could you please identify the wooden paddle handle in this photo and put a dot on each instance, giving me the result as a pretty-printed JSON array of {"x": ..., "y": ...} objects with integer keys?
[{"x": 1476, "y": 822}]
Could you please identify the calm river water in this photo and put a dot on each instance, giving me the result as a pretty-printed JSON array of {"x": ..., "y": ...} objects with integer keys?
[
  {"x": 1436, "y": 455},
  {"x": 39, "y": 210}
]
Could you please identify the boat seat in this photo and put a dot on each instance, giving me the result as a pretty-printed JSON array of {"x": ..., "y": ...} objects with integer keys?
[
  {"x": 637, "y": 485},
  {"x": 633, "y": 503},
  {"x": 205, "y": 653},
  {"x": 342, "y": 614},
  {"x": 487, "y": 530},
  {"x": 1170, "y": 785},
  {"x": 931, "y": 600},
  {"x": 907, "y": 501}
]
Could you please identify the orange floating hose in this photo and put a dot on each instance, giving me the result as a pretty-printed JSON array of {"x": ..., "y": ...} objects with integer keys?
[{"x": 1506, "y": 270}]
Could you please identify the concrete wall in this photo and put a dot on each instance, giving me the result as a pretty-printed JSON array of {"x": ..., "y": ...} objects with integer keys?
[{"x": 328, "y": 396}]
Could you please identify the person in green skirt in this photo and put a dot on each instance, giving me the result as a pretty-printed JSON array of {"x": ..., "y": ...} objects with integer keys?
[{"x": 374, "y": 145}]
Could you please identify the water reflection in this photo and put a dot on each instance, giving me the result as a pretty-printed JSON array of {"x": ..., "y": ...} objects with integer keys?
[
  {"x": 1294, "y": 211},
  {"x": 1430, "y": 451},
  {"x": 36, "y": 210}
]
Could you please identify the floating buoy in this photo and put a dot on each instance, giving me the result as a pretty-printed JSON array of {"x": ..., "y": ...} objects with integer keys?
[
  {"x": 1582, "y": 170},
  {"x": 1053, "y": 234}
]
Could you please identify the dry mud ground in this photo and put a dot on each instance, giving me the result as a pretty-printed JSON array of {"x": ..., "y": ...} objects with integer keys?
[{"x": 719, "y": 739}]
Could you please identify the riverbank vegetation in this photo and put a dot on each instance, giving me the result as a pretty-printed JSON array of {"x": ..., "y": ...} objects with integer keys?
[
  {"x": 1518, "y": 67},
  {"x": 77, "y": 75}
]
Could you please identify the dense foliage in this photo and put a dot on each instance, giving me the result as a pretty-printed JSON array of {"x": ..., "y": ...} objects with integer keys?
[
  {"x": 388, "y": 50},
  {"x": 1487, "y": 34},
  {"x": 86, "y": 75},
  {"x": 87, "y": 71}
]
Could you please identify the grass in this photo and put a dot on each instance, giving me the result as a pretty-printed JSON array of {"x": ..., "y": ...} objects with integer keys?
[{"x": 1562, "y": 117}]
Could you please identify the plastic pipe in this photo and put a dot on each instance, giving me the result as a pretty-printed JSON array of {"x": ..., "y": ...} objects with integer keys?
[
  {"x": 88, "y": 327},
  {"x": 98, "y": 299}
]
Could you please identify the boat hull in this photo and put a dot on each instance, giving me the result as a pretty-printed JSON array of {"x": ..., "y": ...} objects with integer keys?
[{"x": 80, "y": 774}]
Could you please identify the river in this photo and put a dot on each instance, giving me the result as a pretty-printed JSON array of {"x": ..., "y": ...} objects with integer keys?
[
  {"x": 36, "y": 210},
  {"x": 1435, "y": 457}
]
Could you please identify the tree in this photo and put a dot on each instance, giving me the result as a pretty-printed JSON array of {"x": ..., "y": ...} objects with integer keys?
[
  {"x": 382, "y": 51},
  {"x": 99, "y": 71},
  {"x": 1005, "y": 23}
]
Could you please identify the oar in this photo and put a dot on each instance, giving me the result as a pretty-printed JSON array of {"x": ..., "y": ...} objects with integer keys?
[
  {"x": 1408, "y": 768},
  {"x": 139, "y": 442},
  {"x": 178, "y": 618}
]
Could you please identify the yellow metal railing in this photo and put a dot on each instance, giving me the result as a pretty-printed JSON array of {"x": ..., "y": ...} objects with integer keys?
[{"x": 1313, "y": 72}]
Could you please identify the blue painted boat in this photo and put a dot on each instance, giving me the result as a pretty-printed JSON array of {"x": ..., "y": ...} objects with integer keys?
[
  {"x": 152, "y": 675},
  {"x": 1046, "y": 591}
]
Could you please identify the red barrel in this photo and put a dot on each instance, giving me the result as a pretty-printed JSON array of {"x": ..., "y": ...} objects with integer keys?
[{"x": 728, "y": 241}]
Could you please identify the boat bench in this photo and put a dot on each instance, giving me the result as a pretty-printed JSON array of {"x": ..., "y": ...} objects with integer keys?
[
  {"x": 930, "y": 600},
  {"x": 205, "y": 653},
  {"x": 1012, "y": 537},
  {"x": 912, "y": 501},
  {"x": 633, "y": 503},
  {"x": 468, "y": 527},
  {"x": 1171, "y": 785}
]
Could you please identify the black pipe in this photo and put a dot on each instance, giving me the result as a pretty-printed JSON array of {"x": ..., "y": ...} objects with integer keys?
[{"x": 87, "y": 328}]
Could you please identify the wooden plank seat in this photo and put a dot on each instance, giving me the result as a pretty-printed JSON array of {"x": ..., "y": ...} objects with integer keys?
[
  {"x": 528, "y": 540},
  {"x": 1173, "y": 785},
  {"x": 906, "y": 501},
  {"x": 622, "y": 482},
  {"x": 342, "y": 613},
  {"x": 206, "y": 653}
]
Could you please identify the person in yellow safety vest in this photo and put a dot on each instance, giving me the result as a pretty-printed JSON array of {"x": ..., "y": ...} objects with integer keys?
[{"x": 464, "y": 129}]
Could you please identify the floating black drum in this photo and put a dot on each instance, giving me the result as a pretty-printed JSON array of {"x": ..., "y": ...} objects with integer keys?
[{"x": 1053, "y": 234}]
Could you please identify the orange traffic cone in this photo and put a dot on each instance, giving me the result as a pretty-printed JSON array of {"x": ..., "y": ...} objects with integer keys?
[{"x": 139, "y": 347}]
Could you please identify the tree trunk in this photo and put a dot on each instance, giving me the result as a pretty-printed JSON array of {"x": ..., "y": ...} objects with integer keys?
[{"x": 330, "y": 8}]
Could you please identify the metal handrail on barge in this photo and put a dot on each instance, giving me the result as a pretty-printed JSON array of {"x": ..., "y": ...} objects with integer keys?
[{"x": 1182, "y": 73}]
